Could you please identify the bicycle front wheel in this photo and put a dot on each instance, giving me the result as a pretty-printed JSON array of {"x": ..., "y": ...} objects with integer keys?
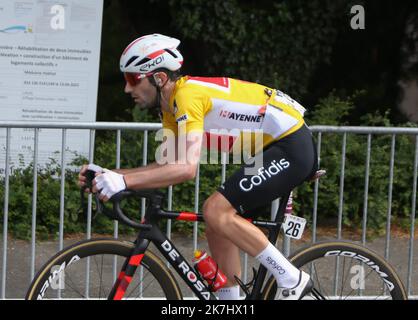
[
  {"x": 345, "y": 271},
  {"x": 88, "y": 270}
]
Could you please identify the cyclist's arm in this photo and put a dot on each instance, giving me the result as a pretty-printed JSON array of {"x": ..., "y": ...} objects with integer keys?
[
  {"x": 182, "y": 169},
  {"x": 153, "y": 165}
]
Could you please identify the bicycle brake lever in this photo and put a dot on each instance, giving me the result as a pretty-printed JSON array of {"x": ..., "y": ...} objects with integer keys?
[{"x": 90, "y": 175}]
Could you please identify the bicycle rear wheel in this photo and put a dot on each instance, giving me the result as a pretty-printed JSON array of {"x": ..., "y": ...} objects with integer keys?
[
  {"x": 88, "y": 270},
  {"x": 345, "y": 271}
]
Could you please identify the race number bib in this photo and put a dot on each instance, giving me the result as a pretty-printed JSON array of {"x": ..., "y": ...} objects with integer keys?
[
  {"x": 284, "y": 98},
  {"x": 294, "y": 226}
]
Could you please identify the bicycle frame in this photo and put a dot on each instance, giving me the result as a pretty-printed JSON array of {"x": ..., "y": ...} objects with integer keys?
[{"x": 151, "y": 233}]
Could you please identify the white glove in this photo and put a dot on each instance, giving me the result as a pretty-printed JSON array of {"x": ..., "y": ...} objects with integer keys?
[
  {"x": 110, "y": 183},
  {"x": 95, "y": 168}
]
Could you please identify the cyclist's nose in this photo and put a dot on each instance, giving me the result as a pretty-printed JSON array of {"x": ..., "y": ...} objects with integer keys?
[{"x": 128, "y": 88}]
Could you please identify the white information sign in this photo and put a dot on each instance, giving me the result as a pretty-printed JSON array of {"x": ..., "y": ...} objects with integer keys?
[{"x": 49, "y": 67}]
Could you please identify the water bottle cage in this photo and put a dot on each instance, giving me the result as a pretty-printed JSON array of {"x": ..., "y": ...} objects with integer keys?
[
  {"x": 210, "y": 282},
  {"x": 246, "y": 286}
]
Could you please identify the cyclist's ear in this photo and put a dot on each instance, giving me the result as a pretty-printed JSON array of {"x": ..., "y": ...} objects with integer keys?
[{"x": 160, "y": 79}]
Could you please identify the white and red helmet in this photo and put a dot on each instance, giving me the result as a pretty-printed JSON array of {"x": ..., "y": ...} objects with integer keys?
[{"x": 151, "y": 52}]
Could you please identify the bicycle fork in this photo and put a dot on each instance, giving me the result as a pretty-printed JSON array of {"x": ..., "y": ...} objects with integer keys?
[{"x": 128, "y": 270}]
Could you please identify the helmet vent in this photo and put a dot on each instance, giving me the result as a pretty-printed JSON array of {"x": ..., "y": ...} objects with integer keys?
[
  {"x": 171, "y": 52},
  {"x": 142, "y": 61},
  {"x": 132, "y": 59}
]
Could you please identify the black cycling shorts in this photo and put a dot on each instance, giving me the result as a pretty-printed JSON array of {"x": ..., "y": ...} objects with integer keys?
[{"x": 286, "y": 164}]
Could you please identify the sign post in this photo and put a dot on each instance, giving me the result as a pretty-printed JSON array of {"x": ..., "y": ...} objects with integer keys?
[{"x": 49, "y": 67}]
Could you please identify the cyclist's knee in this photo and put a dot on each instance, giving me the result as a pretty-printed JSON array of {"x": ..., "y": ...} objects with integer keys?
[
  {"x": 209, "y": 210},
  {"x": 215, "y": 209}
]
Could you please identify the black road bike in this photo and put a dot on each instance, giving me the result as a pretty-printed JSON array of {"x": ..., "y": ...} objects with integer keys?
[{"x": 89, "y": 269}]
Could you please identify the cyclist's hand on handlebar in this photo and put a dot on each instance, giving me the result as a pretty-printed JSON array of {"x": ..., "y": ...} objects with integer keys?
[
  {"x": 108, "y": 184},
  {"x": 82, "y": 174}
]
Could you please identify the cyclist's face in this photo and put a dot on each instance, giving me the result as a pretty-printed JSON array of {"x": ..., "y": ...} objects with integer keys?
[{"x": 142, "y": 91}]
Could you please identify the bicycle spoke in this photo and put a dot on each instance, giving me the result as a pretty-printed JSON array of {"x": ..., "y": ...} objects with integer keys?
[
  {"x": 317, "y": 294},
  {"x": 367, "y": 276},
  {"x": 156, "y": 280},
  {"x": 139, "y": 283},
  {"x": 357, "y": 279},
  {"x": 73, "y": 288},
  {"x": 101, "y": 279},
  {"x": 343, "y": 278},
  {"x": 100, "y": 271},
  {"x": 317, "y": 278}
]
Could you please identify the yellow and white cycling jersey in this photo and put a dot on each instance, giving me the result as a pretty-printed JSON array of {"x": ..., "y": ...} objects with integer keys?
[{"x": 222, "y": 107}]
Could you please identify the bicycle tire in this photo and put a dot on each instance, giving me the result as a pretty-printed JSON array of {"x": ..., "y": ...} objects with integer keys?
[
  {"x": 357, "y": 253},
  {"x": 154, "y": 268}
]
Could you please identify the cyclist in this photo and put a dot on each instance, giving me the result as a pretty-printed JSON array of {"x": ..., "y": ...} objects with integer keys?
[{"x": 198, "y": 110}]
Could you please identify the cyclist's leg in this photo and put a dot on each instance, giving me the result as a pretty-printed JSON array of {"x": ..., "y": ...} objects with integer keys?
[
  {"x": 225, "y": 253},
  {"x": 225, "y": 224},
  {"x": 233, "y": 232},
  {"x": 284, "y": 165},
  {"x": 224, "y": 248},
  {"x": 225, "y": 229}
]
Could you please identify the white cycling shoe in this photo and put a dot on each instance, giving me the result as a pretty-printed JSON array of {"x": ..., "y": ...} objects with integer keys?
[{"x": 303, "y": 287}]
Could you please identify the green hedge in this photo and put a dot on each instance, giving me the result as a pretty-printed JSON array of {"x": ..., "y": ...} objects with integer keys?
[{"x": 355, "y": 168}]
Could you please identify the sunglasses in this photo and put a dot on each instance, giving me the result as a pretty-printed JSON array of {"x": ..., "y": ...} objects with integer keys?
[{"x": 133, "y": 78}]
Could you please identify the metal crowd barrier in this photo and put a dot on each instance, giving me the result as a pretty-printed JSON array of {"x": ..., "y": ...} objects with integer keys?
[{"x": 147, "y": 127}]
